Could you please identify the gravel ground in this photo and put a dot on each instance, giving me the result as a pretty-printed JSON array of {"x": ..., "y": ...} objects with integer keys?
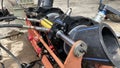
[{"x": 21, "y": 47}]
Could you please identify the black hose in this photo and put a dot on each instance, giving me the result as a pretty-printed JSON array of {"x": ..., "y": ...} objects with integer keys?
[
  {"x": 100, "y": 2},
  {"x": 8, "y": 36},
  {"x": 24, "y": 26},
  {"x": 2, "y": 6},
  {"x": 3, "y": 66},
  {"x": 11, "y": 25},
  {"x": 18, "y": 62},
  {"x": 8, "y": 17}
]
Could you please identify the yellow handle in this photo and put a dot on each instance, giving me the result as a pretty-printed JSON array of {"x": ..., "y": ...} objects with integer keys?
[{"x": 46, "y": 23}]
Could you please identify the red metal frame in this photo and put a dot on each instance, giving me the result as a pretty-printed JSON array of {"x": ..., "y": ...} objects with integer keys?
[{"x": 70, "y": 62}]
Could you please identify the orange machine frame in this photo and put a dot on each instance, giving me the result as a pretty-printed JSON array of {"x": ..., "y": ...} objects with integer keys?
[{"x": 71, "y": 60}]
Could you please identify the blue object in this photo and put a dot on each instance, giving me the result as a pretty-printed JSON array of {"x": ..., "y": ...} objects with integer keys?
[
  {"x": 97, "y": 59},
  {"x": 89, "y": 28}
]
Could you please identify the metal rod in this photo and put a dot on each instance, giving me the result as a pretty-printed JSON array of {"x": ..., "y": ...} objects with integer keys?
[
  {"x": 61, "y": 35},
  {"x": 36, "y": 28}
]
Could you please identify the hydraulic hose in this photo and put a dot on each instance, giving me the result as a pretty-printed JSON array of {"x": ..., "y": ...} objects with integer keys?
[
  {"x": 7, "y": 17},
  {"x": 16, "y": 59},
  {"x": 44, "y": 22},
  {"x": 2, "y": 6},
  {"x": 100, "y": 2},
  {"x": 8, "y": 36},
  {"x": 11, "y": 25},
  {"x": 25, "y": 27},
  {"x": 3, "y": 66}
]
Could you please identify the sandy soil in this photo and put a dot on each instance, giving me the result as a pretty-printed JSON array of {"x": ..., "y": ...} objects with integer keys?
[{"x": 21, "y": 47}]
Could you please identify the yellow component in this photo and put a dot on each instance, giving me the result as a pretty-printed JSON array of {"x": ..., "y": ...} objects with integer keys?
[{"x": 46, "y": 23}]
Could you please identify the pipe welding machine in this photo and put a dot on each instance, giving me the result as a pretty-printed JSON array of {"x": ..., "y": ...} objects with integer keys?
[
  {"x": 63, "y": 41},
  {"x": 72, "y": 42}
]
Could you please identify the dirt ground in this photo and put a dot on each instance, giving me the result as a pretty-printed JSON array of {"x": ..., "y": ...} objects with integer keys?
[{"x": 22, "y": 48}]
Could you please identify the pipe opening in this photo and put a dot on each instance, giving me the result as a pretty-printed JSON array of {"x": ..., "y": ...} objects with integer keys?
[
  {"x": 111, "y": 45},
  {"x": 103, "y": 45}
]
